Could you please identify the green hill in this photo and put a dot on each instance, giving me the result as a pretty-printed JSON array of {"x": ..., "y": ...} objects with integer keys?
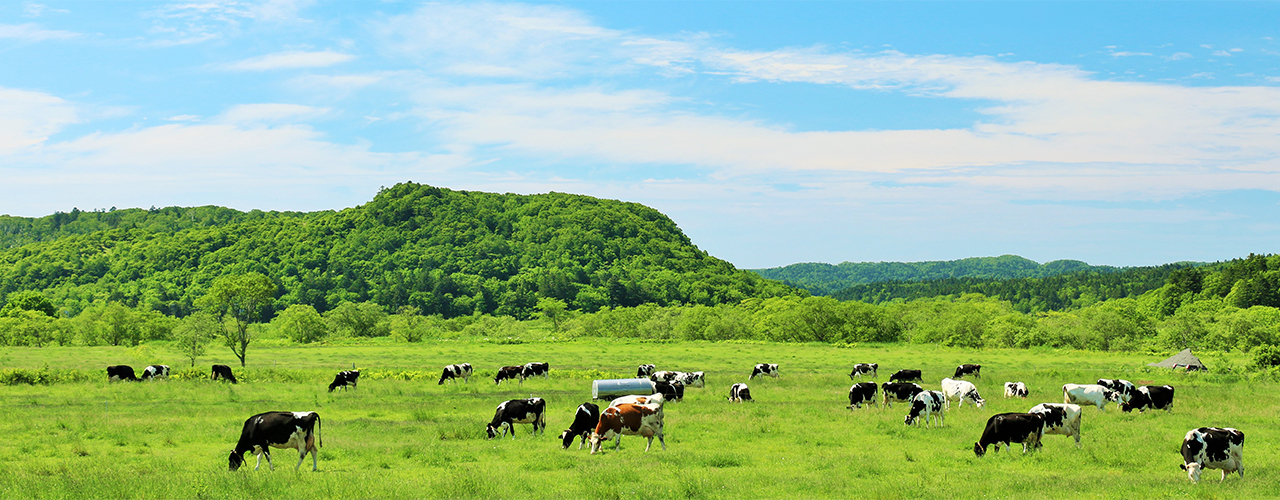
[
  {"x": 442, "y": 251},
  {"x": 826, "y": 279}
]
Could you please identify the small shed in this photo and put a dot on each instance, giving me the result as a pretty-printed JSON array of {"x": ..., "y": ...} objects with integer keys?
[{"x": 1183, "y": 360}]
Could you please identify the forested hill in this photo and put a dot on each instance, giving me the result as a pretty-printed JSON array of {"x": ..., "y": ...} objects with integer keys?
[
  {"x": 442, "y": 251},
  {"x": 826, "y": 279}
]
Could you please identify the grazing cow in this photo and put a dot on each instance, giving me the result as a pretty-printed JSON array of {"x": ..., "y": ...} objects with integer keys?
[
  {"x": 1087, "y": 394},
  {"x": 693, "y": 379},
  {"x": 452, "y": 372},
  {"x": 223, "y": 372},
  {"x": 770, "y": 369},
  {"x": 629, "y": 420},
  {"x": 1007, "y": 428},
  {"x": 1123, "y": 389},
  {"x": 636, "y": 399},
  {"x": 584, "y": 421},
  {"x": 926, "y": 404},
  {"x": 120, "y": 372},
  {"x": 861, "y": 369},
  {"x": 1060, "y": 419},
  {"x": 155, "y": 371},
  {"x": 1156, "y": 397},
  {"x": 645, "y": 370},
  {"x": 739, "y": 392},
  {"x": 534, "y": 369},
  {"x": 906, "y": 376},
  {"x": 1015, "y": 390},
  {"x": 673, "y": 391},
  {"x": 344, "y": 379},
  {"x": 508, "y": 373},
  {"x": 863, "y": 392},
  {"x": 663, "y": 376},
  {"x": 1212, "y": 448},
  {"x": 901, "y": 393},
  {"x": 278, "y": 429},
  {"x": 518, "y": 411},
  {"x": 962, "y": 370},
  {"x": 961, "y": 390}
]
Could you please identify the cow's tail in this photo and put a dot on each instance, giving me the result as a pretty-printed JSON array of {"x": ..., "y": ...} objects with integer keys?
[{"x": 319, "y": 428}]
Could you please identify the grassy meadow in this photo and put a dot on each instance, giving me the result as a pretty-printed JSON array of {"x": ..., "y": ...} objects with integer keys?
[{"x": 402, "y": 436}]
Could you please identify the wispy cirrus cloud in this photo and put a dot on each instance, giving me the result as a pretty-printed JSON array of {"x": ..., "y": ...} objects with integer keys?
[
  {"x": 29, "y": 118},
  {"x": 34, "y": 33},
  {"x": 291, "y": 59},
  {"x": 184, "y": 23}
]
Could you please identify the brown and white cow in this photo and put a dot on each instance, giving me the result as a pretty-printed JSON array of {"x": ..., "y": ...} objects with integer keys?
[
  {"x": 629, "y": 420},
  {"x": 278, "y": 429}
]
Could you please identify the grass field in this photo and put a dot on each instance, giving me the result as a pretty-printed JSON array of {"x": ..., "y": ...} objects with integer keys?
[{"x": 397, "y": 438}]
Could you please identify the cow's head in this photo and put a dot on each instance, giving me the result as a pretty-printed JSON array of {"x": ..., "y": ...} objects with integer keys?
[
  {"x": 235, "y": 461},
  {"x": 911, "y": 419},
  {"x": 595, "y": 440},
  {"x": 979, "y": 450},
  {"x": 566, "y": 439},
  {"x": 1193, "y": 471},
  {"x": 492, "y": 430}
]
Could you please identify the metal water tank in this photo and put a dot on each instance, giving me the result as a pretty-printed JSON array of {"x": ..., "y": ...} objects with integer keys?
[{"x": 609, "y": 389}]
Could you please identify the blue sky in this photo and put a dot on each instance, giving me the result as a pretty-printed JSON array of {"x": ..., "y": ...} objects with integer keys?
[{"x": 771, "y": 132}]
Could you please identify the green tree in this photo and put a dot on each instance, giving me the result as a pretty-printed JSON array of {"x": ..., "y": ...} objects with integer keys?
[
  {"x": 301, "y": 323},
  {"x": 552, "y": 309},
  {"x": 238, "y": 301},
  {"x": 193, "y": 333},
  {"x": 365, "y": 319},
  {"x": 407, "y": 325},
  {"x": 28, "y": 300}
]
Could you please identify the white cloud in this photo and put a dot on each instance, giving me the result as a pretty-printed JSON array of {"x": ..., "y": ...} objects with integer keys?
[
  {"x": 183, "y": 118},
  {"x": 1129, "y": 54},
  {"x": 1221, "y": 53},
  {"x": 268, "y": 113},
  {"x": 29, "y": 118},
  {"x": 1178, "y": 56},
  {"x": 193, "y": 22},
  {"x": 33, "y": 32},
  {"x": 292, "y": 59},
  {"x": 32, "y": 9}
]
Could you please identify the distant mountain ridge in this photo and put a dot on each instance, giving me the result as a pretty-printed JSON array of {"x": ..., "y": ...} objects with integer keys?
[{"x": 827, "y": 279}]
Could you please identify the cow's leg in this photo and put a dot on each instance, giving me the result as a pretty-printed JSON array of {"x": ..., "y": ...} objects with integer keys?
[
  {"x": 618, "y": 442},
  {"x": 650, "y": 445},
  {"x": 315, "y": 463},
  {"x": 258, "y": 464},
  {"x": 301, "y": 456},
  {"x": 661, "y": 441},
  {"x": 512, "y": 425},
  {"x": 270, "y": 465}
]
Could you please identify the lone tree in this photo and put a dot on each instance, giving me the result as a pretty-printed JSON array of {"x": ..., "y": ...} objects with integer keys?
[
  {"x": 190, "y": 336},
  {"x": 238, "y": 301}
]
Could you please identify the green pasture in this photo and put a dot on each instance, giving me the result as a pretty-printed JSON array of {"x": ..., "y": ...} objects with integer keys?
[{"x": 402, "y": 436}]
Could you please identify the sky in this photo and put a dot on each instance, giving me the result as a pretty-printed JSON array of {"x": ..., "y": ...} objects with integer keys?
[{"x": 772, "y": 133}]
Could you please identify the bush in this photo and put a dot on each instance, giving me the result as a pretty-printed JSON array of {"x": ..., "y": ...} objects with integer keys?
[
  {"x": 43, "y": 376},
  {"x": 1266, "y": 357}
]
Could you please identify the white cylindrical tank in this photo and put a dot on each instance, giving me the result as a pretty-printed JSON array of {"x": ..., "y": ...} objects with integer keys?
[{"x": 609, "y": 389}]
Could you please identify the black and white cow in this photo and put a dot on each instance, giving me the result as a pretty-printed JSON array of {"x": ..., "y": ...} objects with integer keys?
[
  {"x": 671, "y": 391},
  {"x": 508, "y": 373},
  {"x": 1213, "y": 448},
  {"x": 1007, "y": 428},
  {"x": 861, "y": 369},
  {"x": 862, "y": 392},
  {"x": 927, "y": 404},
  {"x": 1123, "y": 389},
  {"x": 962, "y": 370},
  {"x": 155, "y": 371},
  {"x": 531, "y": 370},
  {"x": 645, "y": 370},
  {"x": 899, "y": 393},
  {"x": 223, "y": 372},
  {"x": 1156, "y": 397},
  {"x": 770, "y": 369},
  {"x": 1060, "y": 419},
  {"x": 1015, "y": 390},
  {"x": 120, "y": 372},
  {"x": 906, "y": 376},
  {"x": 961, "y": 390},
  {"x": 739, "y": 392},
  {"x": 584, "y": 421},
  {"x": 344, "y": 379},
  {"x": 1091, "y": 394},
  {"x": 693, "y": 379},
  {"x": 518, "y": 411},
  {"x": 278, "y": 429},
  {"x": 453, "y": 372},
  {"x": 664, "y": 376}
]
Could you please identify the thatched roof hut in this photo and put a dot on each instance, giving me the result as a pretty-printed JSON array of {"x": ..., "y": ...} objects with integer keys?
[{"x": 1182, "y": 360}]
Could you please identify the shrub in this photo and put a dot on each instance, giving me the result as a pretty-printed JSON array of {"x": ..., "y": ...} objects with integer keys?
[{"x": 1266, "y": 356}]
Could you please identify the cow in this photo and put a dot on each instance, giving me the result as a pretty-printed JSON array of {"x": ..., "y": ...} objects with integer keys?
[
  {"x": 901, "y": 393},
  {"x": 1015, "y": 390},
  {"x": 770, "y": 369},
  {"x": 508, "y": 373},
  {"x": 673, "y": 391},
  {"x": 693, "y": 379},
  {"x": 739, "y": 392},
  {"x": 155, "y": 371},
  {"x": 223, "y": 372},
  {"x": 637, "y": 399},
  {"x": 1008, "y": 428},
  {"x": 278, "y": 429},
  {"x": 962, "y": 370},
  {"x": 344, "y": 379},
  {"x": 1156, "y": 397},
  {"x": 584, "y": 421},
  {"x": 1212, "y": 448},
  {"x": 452, "y": 372},
  {"x": 863, "y": 392},
  {"x": 630, "y": 420},
  {"x": 531, "y": 370},
  {"x": 1123, "y": 389},
  {"x": 1087, "y": 394},
  {"x": 861, "y": 369},
  {"x": 645, "y": 370},
  {"x": 518, "y": 411},
  {"x": 120, "y": 372},
  {"x": 961, "y": 390},
  {"x": 663, "y": 376},
  {"x": 906, "y": 376},
  {"x": 1060, "y": 419},
  {"x": 926, "y": 404}
]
